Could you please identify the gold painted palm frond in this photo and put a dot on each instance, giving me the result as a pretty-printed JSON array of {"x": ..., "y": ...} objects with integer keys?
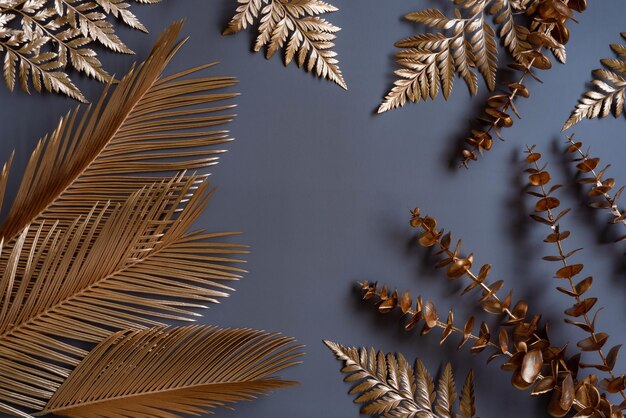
[
  {"x": 465, "y": 45},
  {"x": 154, "y": 373},
  {"x": 40, "y": 39},
  {"x": 609, "y": 90},
  {"x": 139, "y": 132},
  {"x": 98, "y": 238},
  {"x": 296, "y": 26},
  {"x": 388, "y": 386},
  {"x": 127, "y": 267}
]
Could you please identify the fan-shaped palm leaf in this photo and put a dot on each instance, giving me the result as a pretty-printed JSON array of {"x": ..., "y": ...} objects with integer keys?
[{"x": 166, "y": 372}]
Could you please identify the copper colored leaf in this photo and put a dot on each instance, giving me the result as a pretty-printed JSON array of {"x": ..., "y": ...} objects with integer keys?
[
  {"x": 531, "y": 366},
  {"x": 594, "y": 342},
  {"x": 429, "y": 312},
  {"x": 581, "y": 307},
  {"x": 611, "y": 357},
  {"x": 406, "y": 302},
  {"x": 568, "y": 272},
  {"x": 544, "y": 385},
  {"x": 584, "y": 285},
  {"x": 567, "y": 393},
  {"x": 539, "y": 179},
  {"x": 614, "y": 385},
  {"x": 547, "y": 203},
  {"x": 503, "y": 340}
]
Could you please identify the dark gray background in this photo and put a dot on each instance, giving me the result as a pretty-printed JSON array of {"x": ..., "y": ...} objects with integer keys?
[{"x": 321, "y": 188}]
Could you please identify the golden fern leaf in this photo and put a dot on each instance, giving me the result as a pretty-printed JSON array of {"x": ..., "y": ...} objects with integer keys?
[
  {"x": 388, "y": 386},
  {"x": 147, "y": 124},
  {"x": 430, "y": 61},
  {"x": 513, "y": 35},
  {"x": 167, "y": 372},
  {"x": 127, "y": 267},
  {"x": 296, "y": 26},
  {"x": 42, "y": 38},
  {"x": 608, "y": 93}
]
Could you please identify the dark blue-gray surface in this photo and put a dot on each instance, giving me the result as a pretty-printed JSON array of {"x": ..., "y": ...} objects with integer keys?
[{"x": 321, "y": 189}]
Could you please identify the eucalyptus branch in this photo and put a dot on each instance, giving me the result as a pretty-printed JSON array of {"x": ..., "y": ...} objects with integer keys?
[
  {"x": 599, "y": 187},
  {"x": 540, "y": 178}
]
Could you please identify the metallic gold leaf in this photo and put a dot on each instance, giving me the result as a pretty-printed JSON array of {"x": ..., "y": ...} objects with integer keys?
[{"x": 296, "y": 27}]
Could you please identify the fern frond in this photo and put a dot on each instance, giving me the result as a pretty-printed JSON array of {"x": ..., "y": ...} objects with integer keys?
[
  {"x": 40, "y": 39},
  {"x": 162, "y": 372},
  {"x": 513, "y": 35},
  {"x": 388, "y": 386},
  {"x": 296, "y": 27},
  {"x": 430, "y": 61},
  {"x": 608, "y": 93}
]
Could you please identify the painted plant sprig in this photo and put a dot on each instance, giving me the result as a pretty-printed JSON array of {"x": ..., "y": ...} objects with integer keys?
[
  {"x": 599, "y": 188},
  {"x": 520, "y": 339},
  {"x": 579, "y": 313}
]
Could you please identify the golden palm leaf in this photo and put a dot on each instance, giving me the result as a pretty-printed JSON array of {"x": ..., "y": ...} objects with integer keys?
[
  {"x": 98, "y": 239},
  {"x": 296, "y": 26},
  {"x": 165, "y": 372},
  {"x": 128, "y": 267},
  {"x": 148, "y": 124}
]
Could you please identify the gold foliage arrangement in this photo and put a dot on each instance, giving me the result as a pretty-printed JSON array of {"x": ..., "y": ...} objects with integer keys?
[
  {"x": 388, "y": 386},
  {"x": 96, "y": 252},
  {"x": 295, "y": 26},
  {"x": 521, "y": 338},
  {"x": 40, "y": 39},
  {"x": 609, "y": 87}
]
